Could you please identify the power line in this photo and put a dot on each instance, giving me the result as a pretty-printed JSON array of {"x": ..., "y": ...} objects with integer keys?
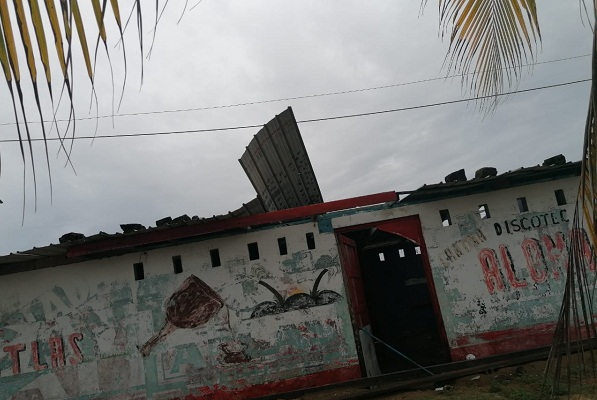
[
  {"x": 443, "y": 103},
  {"x": 309, "y": 96}
]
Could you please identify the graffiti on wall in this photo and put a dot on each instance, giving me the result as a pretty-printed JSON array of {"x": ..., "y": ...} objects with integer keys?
[
  {"x": 543, "y": 260},
  {"x": 462, "y": 246},
  {"x": 55, "y": 351},
  {"x": 147, "y": 338},
  {"x": 296, "y": 301},
  {"x": 191, "y": 306},
  {"x": 526, "y": 223}
]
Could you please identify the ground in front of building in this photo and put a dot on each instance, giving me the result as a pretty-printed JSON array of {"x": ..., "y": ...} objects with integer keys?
[{"x": 524, "y": 382}]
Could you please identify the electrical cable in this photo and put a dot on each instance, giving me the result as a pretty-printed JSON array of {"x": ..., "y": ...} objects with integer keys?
[
  {"x": 309, "y": 96},
  {"x": 123, "y": 135}
]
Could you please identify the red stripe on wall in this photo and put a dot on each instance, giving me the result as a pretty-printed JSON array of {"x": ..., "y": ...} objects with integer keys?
[
  {"x": 269, "y": 388},
  {"x": 501, "y": 342}
]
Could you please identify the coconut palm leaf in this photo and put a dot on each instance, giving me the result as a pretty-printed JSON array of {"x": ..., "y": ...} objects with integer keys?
[
  {"x": 36, "y": 28},
  {"x": 489, "y": 41},
  {"x": 574, "y": 343}
]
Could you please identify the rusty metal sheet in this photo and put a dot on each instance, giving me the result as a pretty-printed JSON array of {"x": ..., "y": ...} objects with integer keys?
[{"x": 278, "y": 166}]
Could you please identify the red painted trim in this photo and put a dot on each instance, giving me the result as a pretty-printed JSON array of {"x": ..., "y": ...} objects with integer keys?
[
  {"x": 158, "y": 235},
  {"x": 501, "y": 342},
  {"x": 269, "y": 388}
]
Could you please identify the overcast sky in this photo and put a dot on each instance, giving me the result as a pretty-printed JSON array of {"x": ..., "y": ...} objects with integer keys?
[{"x": 229, "y": 52}]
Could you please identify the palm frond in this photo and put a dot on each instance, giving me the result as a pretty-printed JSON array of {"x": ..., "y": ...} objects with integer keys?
[
  {"x": 490, "y": 40},
  {"x": 575, "y": 337},
  {"x": 70, "y": 28}
]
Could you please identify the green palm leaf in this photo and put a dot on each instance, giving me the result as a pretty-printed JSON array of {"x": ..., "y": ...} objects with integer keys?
[
  {"x": 489, "y": 41},
  {"x": 34, "y": 27}
]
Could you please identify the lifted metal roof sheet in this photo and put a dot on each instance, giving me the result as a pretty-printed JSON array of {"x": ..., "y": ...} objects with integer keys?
[{"x": 278, "y": 166}]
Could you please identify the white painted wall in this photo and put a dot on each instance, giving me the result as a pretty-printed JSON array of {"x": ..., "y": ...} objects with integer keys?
[{"x": 116, "y": 314}]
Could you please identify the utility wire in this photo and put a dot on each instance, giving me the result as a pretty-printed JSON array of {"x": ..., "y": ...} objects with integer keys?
[
  {"x": 443, "y": 103},
  {"x": 309, "y": 96}
]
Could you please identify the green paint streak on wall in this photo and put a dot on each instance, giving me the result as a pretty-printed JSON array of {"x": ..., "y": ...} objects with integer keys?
[
  {"x": 301, "y": 261},
  {"x": 7, "y": 335},
  {"x": 12, "y": 384},
  {"x": 150, "y": 367},
  {"x": 120, "y": 294},
  {"x": 59, "y": 292},
  {"x": 325, "y": 225},
  {"x": 151, "y": 296},
  {"x": 249, "y": 287},
  {"x": 37, "y": 309},
  {"x": 187, "y": 354},
  {"x": 327, "y": 261},
  {"x": 467, "y": 224},
  {"x": 11, "y": 318}
]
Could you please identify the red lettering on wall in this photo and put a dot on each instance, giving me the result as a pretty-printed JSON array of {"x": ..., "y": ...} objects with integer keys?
[
  {"x": 35, "y": 355},
  {"x": 491, "y": 270},
  {"x": 508, "y": 265},
  {"x": 535, "y": 262},
  {"x": 14, "y": 351},
  {"x": 555, "y": 251},
  {"x": 56, "y": 352},
  {"x": 78, "y": 355},
  {"x": 579, "y": 237}
]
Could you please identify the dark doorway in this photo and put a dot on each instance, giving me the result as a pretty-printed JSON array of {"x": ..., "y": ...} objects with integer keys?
[{"x": 400, "y": 298}]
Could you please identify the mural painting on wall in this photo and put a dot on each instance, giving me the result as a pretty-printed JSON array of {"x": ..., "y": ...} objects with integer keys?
[
  {"x": 192, "y": 305},
  {"x": 83, "y": 339},
  {"x": 296, "y": 301},
  {"x": 543, "y": 256}
]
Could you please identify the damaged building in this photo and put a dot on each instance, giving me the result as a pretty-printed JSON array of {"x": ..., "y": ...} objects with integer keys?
[{"x": 290, "y": 291}]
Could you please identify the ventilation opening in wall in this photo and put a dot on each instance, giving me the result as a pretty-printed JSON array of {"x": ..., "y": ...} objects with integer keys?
[
  {"x": 177, "y": 264},
  {"x": 214, "y": 254},
  {"x": 522, "y": 204},
  {"x": 253, "y": 251},
  {"x": 560, "y": 197},
  {"x": 401, "y": 253},
  {"x": 484, "y": 211},
  {"x": 138, "y": 271},
  {"x": 382, "y": 257},
  {"x": 310, "y": 240},
  {"x": 282, "y": 246},
  {"x": 417, "y": 250},
  {"x": 445, "y": 216}
]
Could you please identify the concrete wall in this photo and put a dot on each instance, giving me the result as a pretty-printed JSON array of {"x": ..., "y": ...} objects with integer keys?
[
  {"x": 77, "y": 331},
  {"x": 499, "y": 280}
]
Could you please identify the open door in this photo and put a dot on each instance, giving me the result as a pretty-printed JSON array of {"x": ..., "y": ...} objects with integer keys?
[
  {"x": 358, "y": 305},
  {"x": 392, "y": 295}
]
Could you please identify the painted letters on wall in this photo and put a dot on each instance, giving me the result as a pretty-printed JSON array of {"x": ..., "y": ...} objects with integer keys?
[{"x": 173, "y": 335}]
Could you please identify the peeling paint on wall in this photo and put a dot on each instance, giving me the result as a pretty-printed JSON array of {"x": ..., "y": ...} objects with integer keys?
[{"x": 85, "y": 337}]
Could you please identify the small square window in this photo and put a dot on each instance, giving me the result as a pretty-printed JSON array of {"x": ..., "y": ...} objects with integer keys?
[
  {"x": 417, "y": 250},
  {"x": 138, "y": 271},
  {"x": 445, "y": 216},
  {"x": 382, "y": 257},
  {"x": 310, "y": 240},
  {"x": 177, "y": 264},
  {"x": 282, "y": 246},
  {"x": 484, "y": 211},
  {"x": 522, "y": 204},
  {"x": 214, "y": 254},
  {"x": 253, "y": 251},
  {"x": 560, "y": 197},
  {"x": 401, "y": 253}
]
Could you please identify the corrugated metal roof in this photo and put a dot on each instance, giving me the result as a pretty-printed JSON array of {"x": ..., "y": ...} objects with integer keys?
[
  {"x": 521, "y": 176},
  {"x": 278, "y": 166}
]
